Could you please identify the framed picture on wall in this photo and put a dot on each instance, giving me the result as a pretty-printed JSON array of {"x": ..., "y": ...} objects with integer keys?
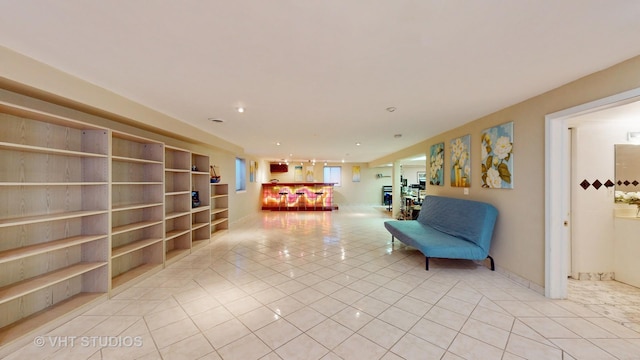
[
  {"x": 297, "y": 173},
  {"x": 461, "y": 161},
  {"x": 497, "y": 157},
  {"x": 355, "y": 176},
  {"x": 436, "y": 164}
]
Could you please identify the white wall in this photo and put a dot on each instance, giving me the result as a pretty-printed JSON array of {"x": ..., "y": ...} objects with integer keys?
[{"x": 593, "y": 209}]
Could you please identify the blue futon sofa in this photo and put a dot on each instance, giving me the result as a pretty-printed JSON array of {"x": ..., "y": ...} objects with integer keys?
[{"x": 448, "y": 228}]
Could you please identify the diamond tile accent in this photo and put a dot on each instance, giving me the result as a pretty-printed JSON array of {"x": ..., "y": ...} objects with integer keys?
[
  {"x": 597, "y": 184},
  {"x": 585, "y": 184}
]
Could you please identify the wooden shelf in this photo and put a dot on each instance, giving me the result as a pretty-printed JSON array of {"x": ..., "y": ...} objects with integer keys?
[
  {"x": 217, "y": 211},
  {"x": 197, "y": 244},
  {"x": 134, "y": 160},
  {"x": 218, "y": 221},
  {"x": 199, "y": 209},
  {"x": 177, "y": 170},
  {"x": 197, "y": 226},
  {"x": 134, "y": 273},
  {"x": 55, "y": 314},
  {"x": 173, "y": 193},
  {"x": 134, "y": 206},
  {"x": 137, "y": 183},
  {"x": 14, "y": 291},
  {"x": 42, "y": 248},
  {"x": 133, "y": 226},
  {"x": 53, "y": 183},
  {"x": 175, "y": 233},
  {"x": 176, "y": 214},
  {"x": 134, "y": 246},
  {"x": 219, "y": 196},
  {"x": 49, "y": 217},
  {"x": 176, "y": 254},
  {"x": 51, "y": 151}
]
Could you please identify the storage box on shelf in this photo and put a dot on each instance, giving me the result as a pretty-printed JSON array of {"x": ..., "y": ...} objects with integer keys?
[
  {"x": 54, "y": 210},
  {"x": 200, "y": 224},
  {"x": 219, "y": 208},
  {"x": 137, "y": 190},
  {"x": 177, "y": 197}
]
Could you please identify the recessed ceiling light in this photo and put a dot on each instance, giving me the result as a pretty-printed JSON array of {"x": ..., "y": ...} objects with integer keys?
[
  {"x": 391, "y": 109},
  {"x": 358, "y": 144},
  {"x": 216, "y": 120},
  {"x": 278, "y": 143},
  {"x": 240, "y": 109},
  {"x": 397, "y": 136}
]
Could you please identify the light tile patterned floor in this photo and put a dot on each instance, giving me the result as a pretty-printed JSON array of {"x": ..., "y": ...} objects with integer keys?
[{"x": 287, "y": 285}]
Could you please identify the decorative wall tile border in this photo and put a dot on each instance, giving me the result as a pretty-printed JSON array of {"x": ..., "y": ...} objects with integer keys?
[{"x": 597, "y": 184}]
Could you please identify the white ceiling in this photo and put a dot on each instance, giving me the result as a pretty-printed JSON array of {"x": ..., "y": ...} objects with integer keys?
[{"x": 317, "y": 76}]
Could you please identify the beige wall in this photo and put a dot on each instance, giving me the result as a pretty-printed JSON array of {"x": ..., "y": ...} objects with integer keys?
[
  {"x": 519, "y": 237},
  {"x": 518, "y": 245}
]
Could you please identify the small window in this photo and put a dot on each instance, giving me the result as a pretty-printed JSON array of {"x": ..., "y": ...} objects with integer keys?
[
  {"x": 333, "y": 174},
  {"x": 241, "y": 175}
]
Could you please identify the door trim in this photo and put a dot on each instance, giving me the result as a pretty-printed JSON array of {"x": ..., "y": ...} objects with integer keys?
[{"x": 557, "y": 187}]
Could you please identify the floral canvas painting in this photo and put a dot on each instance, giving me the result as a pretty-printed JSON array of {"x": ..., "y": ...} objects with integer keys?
[
  {"x": 436, "y": 164},
  {"x": 497, "y": 157},
  {"x": 297, "y": 173},
  {"x": 355, "y": 173},
  {"x": 460, "y": 162}
]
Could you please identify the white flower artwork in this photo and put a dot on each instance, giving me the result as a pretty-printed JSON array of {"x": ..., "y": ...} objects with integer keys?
[{"x": 497, "y": 157}]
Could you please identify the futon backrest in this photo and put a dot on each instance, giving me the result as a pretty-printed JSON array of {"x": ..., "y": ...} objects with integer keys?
[{"x": 465, "y": 219}]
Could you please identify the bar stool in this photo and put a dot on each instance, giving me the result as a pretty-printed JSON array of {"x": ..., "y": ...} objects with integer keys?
[
  {"x": 318, "y": 194},
  {"x": 300, "y": 193},
  {"x": 283, "y": 197}
]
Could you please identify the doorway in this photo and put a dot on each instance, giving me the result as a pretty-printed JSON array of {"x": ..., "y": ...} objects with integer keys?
[{"x": 558, "y": 190}]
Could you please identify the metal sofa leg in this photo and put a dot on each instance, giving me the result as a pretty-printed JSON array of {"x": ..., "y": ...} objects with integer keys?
[
  {"x": 392, "y": 238},
  {"x": 426, "y": 263},
  {"x": 493, "y": 265}
]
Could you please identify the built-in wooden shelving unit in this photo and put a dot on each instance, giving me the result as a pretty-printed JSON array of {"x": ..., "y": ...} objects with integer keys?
[
  {"x": 177, "y": 182},
  {"x": 219, "y": 208},
  {"x": 200, "y": 180},
  {"x": 137, "y": 207},
  {"x": 86, "y": 212},
  {"x": 54, "y": 209}
]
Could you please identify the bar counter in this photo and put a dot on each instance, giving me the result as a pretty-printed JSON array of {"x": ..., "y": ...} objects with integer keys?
[{"x": 298, "y": 196}]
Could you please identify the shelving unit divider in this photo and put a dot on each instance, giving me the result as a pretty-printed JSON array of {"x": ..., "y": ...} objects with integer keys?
[
  {"x": 177, "y": 218},
  {"x": 200, "y": 180},
  {"x": 219, "y": 208},
  {"x": 137, "y": 209}
]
